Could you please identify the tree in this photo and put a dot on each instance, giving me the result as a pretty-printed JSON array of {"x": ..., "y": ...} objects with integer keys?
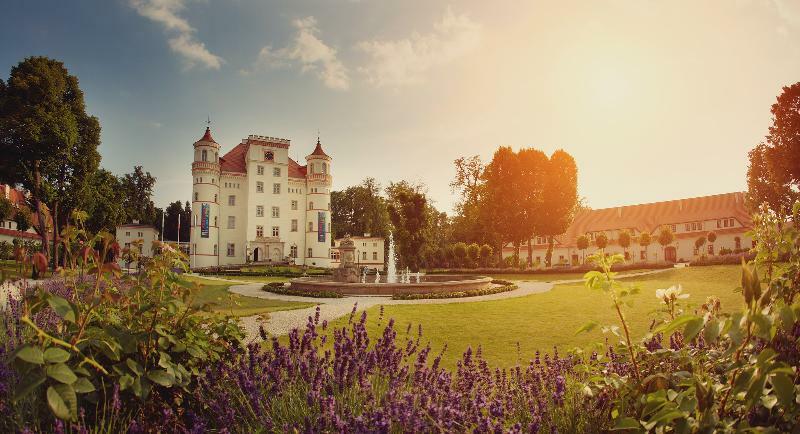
[
  {"x": 534, "y": 168},
  {"x": 665, "y": 238},
  {"x": 773, "y": 176},
  {"x": 625, "y": 242},
  {"x": 486, "y": 254},
  {"x": 698, "y": 245},
  {"x": 105, "y": 210},
  {"x": 502, "y": 203},
  {"x": 23, "y": 219},
  {"x": 137, "y": 188},
  {"x": 473, "y": 253},
  {"x": 6, "y": 208},
  {"x": 560, "y": 198},
  {"x": 712, "y": 236},
  {"x": 583, "y": 244},
  {"x": 409, "y": 212},
  {"x": 359, "y": 209},
  {"x": 644, "y": 241},
  {"x": 601, "y": 241},
  {"x": 50, "y": 143},
  {"x": 460, "y": 251}
]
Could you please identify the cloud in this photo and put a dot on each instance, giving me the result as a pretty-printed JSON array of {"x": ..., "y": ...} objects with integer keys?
[
  {"x": 395, "y": 63},
  {"x": 165, "y": 12},
  {"x": 308, "y": 52}
]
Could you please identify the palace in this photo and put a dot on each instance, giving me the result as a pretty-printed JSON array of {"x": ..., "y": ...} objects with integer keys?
[
  {"x": 256, "y": 204},
  {"x": 689, "y": 219}
]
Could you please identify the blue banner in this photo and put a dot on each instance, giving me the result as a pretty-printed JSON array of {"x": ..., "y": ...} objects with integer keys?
[
  {"x": 205, "y": 212},
  {"x": 321, "y": 227}
]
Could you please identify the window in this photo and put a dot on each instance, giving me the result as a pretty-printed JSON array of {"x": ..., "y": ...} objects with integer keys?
[
  {"x": 276, "y": 171},
  {"x": 196, "y": 196},
  {"x": 231, "y": 222},
  {"x": 204, "y": 155},
  {"x": 310, "y": 253},
  {"x": 294, "y": 225},
  {"x": 364, "y": 256},
  {"x": 294, "y": 204},
  {"x": 374, "y": 244},
  {"x": 259, "y": 187},
  {"x": 260, "y": 170},
  {"x": 276, "y": 189},
  {"x": 642, "y": 255},
  {"x": 215, "y": 249},
  {"x": 215, "y": 220},
  {"x": 738, "y": 242},
  {"x": 731, "y": 220},
  {"x": 139, "y": 234},
  {"x": 311, "y": 205},
  {"x": 374, "y": 256},
  {"x": 276, "y": 212},
  {"x": 324, "y": 168},
  {"x": 232, "y": 200},
  {"x": 718, "y": 224},
  {"x": 215, "y": 198},
  {"x": 311, "y": 226},
  {"x": 259, "y": 231},
  {"x": 276, "y": 231},
  {"x": 686, "y": 227},
  {"x": 259, "y": 211},
  {"x": 127, "y": 234},
  {"x": 269, "y": 156},
  {"x": 293, "y": 251},
  {"x": 710, "y": 249},
  {"x": 231, "y": 249}
]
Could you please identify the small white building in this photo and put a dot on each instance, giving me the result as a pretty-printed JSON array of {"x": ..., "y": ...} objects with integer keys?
[
  {"x": 127, "y": 234},
  {"x": 8, "y": 227},
  {"x": 369, "y": 252},
  {"x": 689, "y": 219},
  {"x": 256, "y": 204}
]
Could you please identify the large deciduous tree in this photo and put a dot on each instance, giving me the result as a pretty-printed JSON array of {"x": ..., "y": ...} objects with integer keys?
[
  {"x": 534, "y": 168},
  {"x": 410, "y": 214},
  {"x": 106, "y": 209},
  {"x": 49, "y": 141},
  {"x": 560, "y": 198},
  {"x": 773, "y": 176},
  {"x": 502, "y": 202},
  {"x": 359, "y": 209},
  {"x": 137, "y": 188}
]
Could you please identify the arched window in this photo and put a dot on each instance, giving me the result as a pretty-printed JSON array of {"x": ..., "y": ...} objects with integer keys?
[
  {"x": 324, "y": 168},
  {"x": 204, "y": 155}
]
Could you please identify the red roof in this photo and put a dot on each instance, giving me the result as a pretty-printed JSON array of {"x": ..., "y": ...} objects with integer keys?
[
  {"x": 296, "y": 170},
  {"x": 19, "y": 234},
  {"x": 318, "y": 150},
  {"x": 650, "y": 216},
  {"x": 207, "y": 136}
]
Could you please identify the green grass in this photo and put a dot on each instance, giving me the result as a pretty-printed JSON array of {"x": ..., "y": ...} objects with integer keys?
[
  {"x": 262, "y": 279},
  {"x": 551, "y": 277},
  {"x": 226, "y": 302},
  {"x": 542, "y": 321},
  {"x": 10, "y": 269}
]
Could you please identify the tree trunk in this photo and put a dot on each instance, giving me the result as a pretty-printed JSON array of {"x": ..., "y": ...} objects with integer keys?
[
  {"x": 549, "y": 256},
  {"x": 530, "y": 253},
  {"x": 55, "y": 235},
  {"x": 42, "y": 227}
]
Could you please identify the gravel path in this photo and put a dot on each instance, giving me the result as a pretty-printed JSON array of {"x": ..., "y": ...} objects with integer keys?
[{"x": 281, "y": 322}]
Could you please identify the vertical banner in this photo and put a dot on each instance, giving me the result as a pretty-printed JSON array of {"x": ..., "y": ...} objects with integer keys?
[
  {"x": 205, "y": 211},
  {"x": 321, "y": 226}
]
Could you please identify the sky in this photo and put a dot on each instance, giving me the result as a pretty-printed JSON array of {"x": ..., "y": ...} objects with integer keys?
[{"x": 655, "y": 100}]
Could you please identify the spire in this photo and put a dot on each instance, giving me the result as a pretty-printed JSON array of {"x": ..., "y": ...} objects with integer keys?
[
  {"x": 318, "y": 150},
  {"x": 207, "y": 136}
]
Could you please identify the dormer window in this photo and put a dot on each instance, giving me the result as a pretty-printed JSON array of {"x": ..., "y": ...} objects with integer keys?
[{"x": 269, "y": 156}]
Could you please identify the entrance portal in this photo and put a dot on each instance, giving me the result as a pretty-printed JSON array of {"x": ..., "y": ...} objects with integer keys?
[
  {"x": 256, "y": 254},
  {"x": 670, "y": 254}
]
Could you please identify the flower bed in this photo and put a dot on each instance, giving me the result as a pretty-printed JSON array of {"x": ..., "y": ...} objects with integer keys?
[
  {"x": 280, "y": 288},
  {"x": 505, "y": 287}
]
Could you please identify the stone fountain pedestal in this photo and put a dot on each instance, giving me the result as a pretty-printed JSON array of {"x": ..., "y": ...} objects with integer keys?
[{"x": 347, "y": 271}]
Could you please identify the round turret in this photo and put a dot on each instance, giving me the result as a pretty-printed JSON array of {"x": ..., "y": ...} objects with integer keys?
[
  {"x": 205, "y": 202},
  {"x": 318, "y": 186}
]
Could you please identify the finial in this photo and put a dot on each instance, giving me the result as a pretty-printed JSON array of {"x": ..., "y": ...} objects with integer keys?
[
  {"x": 318, "y": 136},
  {"x": 208, "y": 122}
]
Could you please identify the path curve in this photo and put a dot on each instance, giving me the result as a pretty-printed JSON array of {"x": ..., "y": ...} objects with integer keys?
[{"x": 282, "y": 322}]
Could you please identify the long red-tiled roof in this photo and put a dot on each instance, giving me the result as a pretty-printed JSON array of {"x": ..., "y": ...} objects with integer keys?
[
  {"x": 19, "y": 234},
  {"x": 235, "y": 159},
  {"x": 648, "y": 217},
  {"x": 296, "y": 170}
]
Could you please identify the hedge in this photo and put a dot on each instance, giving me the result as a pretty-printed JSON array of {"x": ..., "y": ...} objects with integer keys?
[
  {"x": 457, "y": 294},
  {"x": 280, "y": 288}
]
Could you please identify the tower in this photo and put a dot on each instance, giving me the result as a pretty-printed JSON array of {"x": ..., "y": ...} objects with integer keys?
[
  {"x": 204, "y": 249},
  {"x": 318, "y": 208}
]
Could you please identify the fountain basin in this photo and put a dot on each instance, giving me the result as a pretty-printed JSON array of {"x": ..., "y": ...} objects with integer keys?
[{"x": 439, "y": 283}]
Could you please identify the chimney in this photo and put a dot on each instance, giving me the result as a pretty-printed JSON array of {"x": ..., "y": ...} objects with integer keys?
[{"x": 136, "y": 222}]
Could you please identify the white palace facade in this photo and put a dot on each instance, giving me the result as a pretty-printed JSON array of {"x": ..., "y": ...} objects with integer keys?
[{"x": 256, "y": 204}]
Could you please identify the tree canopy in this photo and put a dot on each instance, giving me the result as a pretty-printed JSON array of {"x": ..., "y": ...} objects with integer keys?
[{"x": 359, "y": 209}]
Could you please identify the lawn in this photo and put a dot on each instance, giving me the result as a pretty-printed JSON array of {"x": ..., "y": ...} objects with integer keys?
[
  {"x": 225, "y": 302},
  {"x": 262, "y": 279},
  {"x": 552, "y": 277},
  {"x": 542, "y": 321},
  {"x": 10, "y": 269}
]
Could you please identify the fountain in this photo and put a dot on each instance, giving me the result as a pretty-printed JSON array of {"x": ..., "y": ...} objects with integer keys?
[{"x": 348, "y": 279}]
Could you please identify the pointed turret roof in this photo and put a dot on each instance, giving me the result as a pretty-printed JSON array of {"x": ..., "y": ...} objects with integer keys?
[
  {"x": 207, "y": 136},
  {"x": 318, "y": 150}
]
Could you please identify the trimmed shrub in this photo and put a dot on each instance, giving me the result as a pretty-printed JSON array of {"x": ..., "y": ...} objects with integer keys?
[
  {"x": 458, "y": 294},
  {"x": 280, "y": 288}
]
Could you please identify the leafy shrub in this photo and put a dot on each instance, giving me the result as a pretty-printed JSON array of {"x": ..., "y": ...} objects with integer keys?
[
  {"x": 280, "y": 288},
  {"x": 457, "y": 294}
]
